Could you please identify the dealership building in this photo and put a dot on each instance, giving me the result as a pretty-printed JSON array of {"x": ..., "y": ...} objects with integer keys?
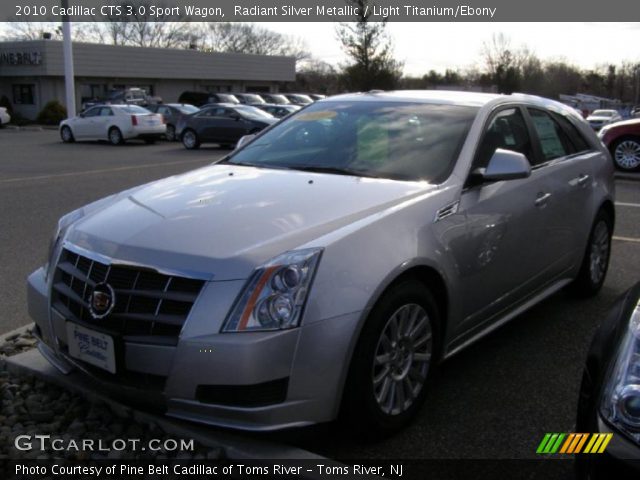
[{"x": 32, "y": 72}]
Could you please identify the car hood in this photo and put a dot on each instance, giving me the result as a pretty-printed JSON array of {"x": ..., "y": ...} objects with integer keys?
[{"x": 223, "y": 220}]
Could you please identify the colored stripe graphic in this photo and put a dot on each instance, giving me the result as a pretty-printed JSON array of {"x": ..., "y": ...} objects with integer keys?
[{"x": 572, "y": 443}]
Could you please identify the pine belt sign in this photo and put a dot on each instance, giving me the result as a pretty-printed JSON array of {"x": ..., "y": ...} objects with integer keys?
[{"x": 21, "y": 58}]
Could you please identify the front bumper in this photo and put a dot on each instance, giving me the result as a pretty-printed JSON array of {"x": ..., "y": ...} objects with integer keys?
[{"x": 209, "y": 377}]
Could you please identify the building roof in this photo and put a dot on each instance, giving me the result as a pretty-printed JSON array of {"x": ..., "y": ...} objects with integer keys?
[{"x": 97, "y": 60}]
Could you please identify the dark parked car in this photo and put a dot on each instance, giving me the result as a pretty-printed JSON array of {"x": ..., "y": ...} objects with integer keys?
[
  {"x": 279, "y": 111},
  {"x": 623, "y": 141},
  {"x": 274, "y": 98},
  {"x": 224, "y": 125},
  {"x": 299, "y": 98},
  {"x": 171, "y": 112},
  {"x": 610, "y": 393},
  {"x": 201, "y": 98},
  {"x": 249, "y": 98}
]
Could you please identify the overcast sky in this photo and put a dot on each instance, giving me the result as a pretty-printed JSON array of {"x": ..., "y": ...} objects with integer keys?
[{"x": 426, "y": 46}]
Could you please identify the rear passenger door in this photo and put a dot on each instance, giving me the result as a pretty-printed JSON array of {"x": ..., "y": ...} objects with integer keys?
[{"x": 564, "y": 163}]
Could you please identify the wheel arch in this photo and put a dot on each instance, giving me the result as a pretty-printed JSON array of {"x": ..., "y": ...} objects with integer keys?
[{"x": 425, "y": 273}]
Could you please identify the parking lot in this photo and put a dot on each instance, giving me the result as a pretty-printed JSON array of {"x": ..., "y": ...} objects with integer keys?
[{"x": 494, "y": 400}]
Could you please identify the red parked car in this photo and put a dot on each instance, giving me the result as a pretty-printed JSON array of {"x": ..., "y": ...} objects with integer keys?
[{"x": 623, "y": 141}]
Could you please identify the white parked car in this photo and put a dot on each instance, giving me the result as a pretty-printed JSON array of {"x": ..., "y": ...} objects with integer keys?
[
  {"x": 115, "y": 123},
  {"x": 600, "y": 118},
  {"x": 4, "y": 116}
]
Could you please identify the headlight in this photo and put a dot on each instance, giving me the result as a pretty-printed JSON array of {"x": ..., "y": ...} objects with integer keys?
[
  {"x": 620, "y": 403},
  {"x": 275, "y": 295},
  {"x": 63, "y": 224}
]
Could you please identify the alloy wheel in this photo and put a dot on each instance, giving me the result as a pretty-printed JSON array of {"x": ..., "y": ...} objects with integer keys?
[
  {"x": 171, "y": 133},
  {"x": 402, "y": 358},
  {"x": 627, "y": 154},
  {"x": 599, "y": 252},
  {"x": 189, "y": 139},
  {"x": 115, "y": 137}
]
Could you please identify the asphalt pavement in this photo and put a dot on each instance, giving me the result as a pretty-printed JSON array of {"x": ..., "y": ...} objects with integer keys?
[{"x": 494, "y": 400}]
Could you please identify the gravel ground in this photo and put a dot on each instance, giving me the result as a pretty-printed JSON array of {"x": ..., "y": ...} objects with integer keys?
[{"x": 31, "y": 406}]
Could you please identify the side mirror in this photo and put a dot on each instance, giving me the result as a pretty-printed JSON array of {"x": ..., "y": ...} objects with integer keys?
[
  {"x": 243, "y": 140},
  {"x": 504, "y": 165}
]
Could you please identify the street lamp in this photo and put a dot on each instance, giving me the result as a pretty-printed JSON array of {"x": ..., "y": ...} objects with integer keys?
[{"x": 69, "y": 81}]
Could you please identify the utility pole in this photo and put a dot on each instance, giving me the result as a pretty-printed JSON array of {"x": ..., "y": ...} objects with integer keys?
[{"x": 69, "y": 81}]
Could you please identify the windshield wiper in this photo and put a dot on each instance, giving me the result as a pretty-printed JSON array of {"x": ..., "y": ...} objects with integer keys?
[{"x": 334, "y": 170}]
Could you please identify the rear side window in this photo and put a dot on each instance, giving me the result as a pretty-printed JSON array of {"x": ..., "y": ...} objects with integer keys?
[
  {"x": 554, "y": 142},
  {"x": 578, "y": 141}
]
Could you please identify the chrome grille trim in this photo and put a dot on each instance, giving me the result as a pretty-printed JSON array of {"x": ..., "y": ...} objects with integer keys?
[{"x": 149, "y": 303}]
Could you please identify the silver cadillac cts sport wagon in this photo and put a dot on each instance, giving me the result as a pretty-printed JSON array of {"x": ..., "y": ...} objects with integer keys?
[{"x": 329, "y": 263}]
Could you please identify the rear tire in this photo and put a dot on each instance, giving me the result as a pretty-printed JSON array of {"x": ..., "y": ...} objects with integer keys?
[
  {"x": 170, "y": 134},
  {"x": 115, "y": 136},
  {"x": 67, "y": 135},
  {"x": 393, "y": 361},
  {"x": 626, "y": 154},
  {"x": 595, "y": 262},
  {"x": 190, "y": 140}
]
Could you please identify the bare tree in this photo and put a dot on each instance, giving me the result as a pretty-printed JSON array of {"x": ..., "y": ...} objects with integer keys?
[{"x": 370, "y": 50}]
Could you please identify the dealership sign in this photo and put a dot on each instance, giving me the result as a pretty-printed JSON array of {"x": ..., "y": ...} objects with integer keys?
[{"x": 21, "y": 58}]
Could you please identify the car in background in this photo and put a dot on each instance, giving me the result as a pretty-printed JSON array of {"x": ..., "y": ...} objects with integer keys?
[
  {"x": 249, "y": 98},
  {"x": 299, "y": 99},
  {"x": 623, "y": 141},
  {"x": 332, "y": 262},
  {"x": 279, "y": 111},
  {"x": 275, "y": 98},
  {"x": 171, "y": 113},
  {"x": 222, "y": 124},
  {"x": 599, "y": 118},
  {"x": 223, "y": 98},
  {"x": 316, "y": 96},
  {"x": 114, "y": 123},
  {"x": 609, "y": 400},
  {"x": 4, "y": 116}
]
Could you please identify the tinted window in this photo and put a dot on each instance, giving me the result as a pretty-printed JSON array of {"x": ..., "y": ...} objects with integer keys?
[
  {"x": 134, "y": 109},
  {"x": 507, "y": 130},
  {"x": 92, "y": 112},
  {"x": 399, "y": 140},
  {"x": 578, "y": 141},
  {"x": 105, "y": 112},
  {"x": 554, "y": 142}
]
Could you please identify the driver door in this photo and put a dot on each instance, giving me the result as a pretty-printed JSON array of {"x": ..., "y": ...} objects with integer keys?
[{"x": 496, "y": 257}]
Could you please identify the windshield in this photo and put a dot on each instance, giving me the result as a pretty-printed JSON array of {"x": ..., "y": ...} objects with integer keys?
[
  {"x": 187, "y": 109},
  {"x": 398, "y": 140},
  {"x": 134, "y": 109},
  {"x": 250, "y": 98},
  {"x": 227, "y": 98},
  {"x": 252, "y": 112},
  {"x": 300, "y": 98},
  {"x": 278, "y": 99},
  {"x": 602, "y": 113}
]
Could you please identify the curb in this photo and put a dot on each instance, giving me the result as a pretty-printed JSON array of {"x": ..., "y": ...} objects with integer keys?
[
  {"x": 18, "y": 331},
  {"x": 235, "y": 445}
]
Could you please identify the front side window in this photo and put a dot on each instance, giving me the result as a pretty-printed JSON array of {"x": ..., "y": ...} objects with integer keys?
[
  {"x": 106, "y": 112},
  {"x": 397, "y": 140},
  {"x": 92, "y": 112},
  {"x": 507, "y": 130}
]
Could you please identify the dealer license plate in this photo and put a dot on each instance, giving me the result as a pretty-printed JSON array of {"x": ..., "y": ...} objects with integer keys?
[{"x": 92, "y": 347}]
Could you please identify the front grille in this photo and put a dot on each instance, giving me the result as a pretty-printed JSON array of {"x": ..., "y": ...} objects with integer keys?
[{"x": 149, "y": 306}]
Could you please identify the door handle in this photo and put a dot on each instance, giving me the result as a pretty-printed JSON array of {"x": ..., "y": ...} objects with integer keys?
[
  {"x": 582, "y": 179},
  {"x": 541, "y": 201}
]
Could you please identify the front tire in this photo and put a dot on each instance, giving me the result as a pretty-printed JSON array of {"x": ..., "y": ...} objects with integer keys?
[
  {"x": 393, "y": 360},
  {"x": 115, "y": 136},
  {"x": 190, "y": 140},
  {"x": 626, "y": 154},
  {"x": 595, "y": 262},
  {"x": 67, "y": 135}
]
